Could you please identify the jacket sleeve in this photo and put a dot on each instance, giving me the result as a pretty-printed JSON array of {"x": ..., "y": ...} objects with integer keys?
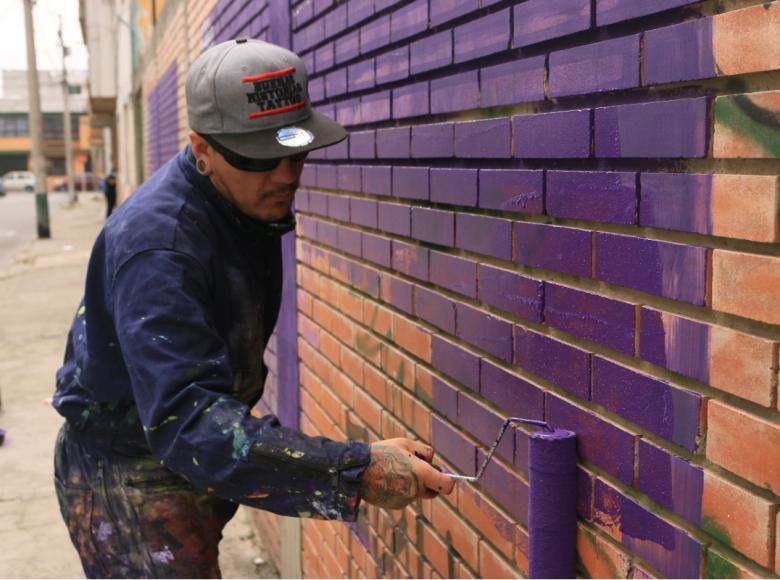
[{"x": 182, "y": 380}]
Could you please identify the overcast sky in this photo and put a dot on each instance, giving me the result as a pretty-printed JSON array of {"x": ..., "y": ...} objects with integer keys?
[{"x": 13, "y": 53}]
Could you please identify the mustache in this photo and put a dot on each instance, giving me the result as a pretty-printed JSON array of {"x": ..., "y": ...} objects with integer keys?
[{"x": 281, "y": 190}]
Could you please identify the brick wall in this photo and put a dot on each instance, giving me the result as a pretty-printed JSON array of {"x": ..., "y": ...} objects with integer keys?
[{"x": 559, "y": 209}]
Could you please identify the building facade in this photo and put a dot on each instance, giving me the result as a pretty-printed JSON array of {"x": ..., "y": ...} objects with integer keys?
[{"x": 560, "y": 209}]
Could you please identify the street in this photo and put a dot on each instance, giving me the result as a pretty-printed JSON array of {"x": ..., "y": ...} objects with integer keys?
[{"x": 17, "y": 222}]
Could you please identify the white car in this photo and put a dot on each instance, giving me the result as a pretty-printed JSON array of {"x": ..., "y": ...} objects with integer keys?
[{"x": 19, "y": 181}]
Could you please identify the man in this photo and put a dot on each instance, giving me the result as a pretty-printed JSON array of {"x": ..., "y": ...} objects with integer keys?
[
  {"x": 109, "y": 191},
  {"x": 164, "y": 358}
]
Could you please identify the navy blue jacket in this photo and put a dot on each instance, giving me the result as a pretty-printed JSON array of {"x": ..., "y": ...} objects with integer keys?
[{"x": 165, "y": 352}]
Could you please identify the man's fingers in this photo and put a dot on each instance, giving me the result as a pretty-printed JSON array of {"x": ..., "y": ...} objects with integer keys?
[
  {"x": 435, "y": 480},
  {"x": 422, "y": 451}
]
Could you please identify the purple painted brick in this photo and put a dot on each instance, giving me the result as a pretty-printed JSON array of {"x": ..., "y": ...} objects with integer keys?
[
  {"x": 327, "y": 176},
  {"x": 457, "y": 92},
  {"x": 522, "y": 441},
  {"x": 324, "y": 58},
  {"x": 347, "y": 47},
  {"x": 484, "y": 235},
  {"x": 584, "y": 493},
  {"x": 556, "y": 248},
  {"x": 336, "y": 82},
  {"x": 518, "y": 190},
  {"x": 446, "y": 10},
  {"x": 361, "y": 75},
  {"x": 307, "y": 227},
  {"x": 611, "y": 11},
  {"x": 454, "y": 186},
  {"x": 594, "y": 435},
  {"x": 363, "y": 212},
  {"x": 603, "y": 66},
  {"x": 559, "y": 135},
  {"x": 376, "y": 179},
  {"x": 485, "y": 332},
  {"x": 338, "y": 151},
  {"x": 445, "y": 399},
  {"x": 661, "y": 129},
  {"x": 318, "y": 203},
  {"x": 410, "y": 259},
  {"x": 483, "y": 424},
  {"x": 409, "y": 20},
  {"x": 515, "y": 397},
  {"x": 482, "y": 37},
  {"x": 539, "y": 20},
  {"x": 309, "y": 174},
  {"x": 491, "y": 138},
  {"x": 455, "y": 362},
  {"x": 435, "y": 308},
  {"x": 349, "y": 177},
  {"x": 590, "y": 316},
  {"x": 588, "y": 195},
  {"x": 434, "y": 226},
  {"x": 393, "y": 143},
  {"x": 348, "y": 112},
  {"x": 302, "y": 200},
  {"x": 397, "y": 292},
  {"x": 509, "y": 490},
  {"x": 676, "y": 201},
  {"x": 375, "y": 34},
  {"x": 376, "y": 249},
  {"x": 395, "y": 219},
  {"x": 453, "y": 273},
  {"x": 321, "y": 6},
  {"x": 511, "y": 292},
  {"x": 679, "y": 53},
  {"x": 338, "y": 207},
  {"x": 410, "y": 182},
  {"x": 382, "y": 4},
  {"x": 668, "y": 549},
  {"x": 336, "y": 21},
  {"x": 317, "y": 89},
  {"x": 359, "y": 10},
  {"x": 671, "y": 481},
  {"x": 361, "y": 145},
  {"x": 676, "y": 343},
  {"x": 431, "y": 52},
  {"x": 517, "y": 81},
  {"x": 410, "y": 100},
  {"x": 375, "y": 107},
  {"x": 328, "y": 234},
  {"x": 565, "y": 366},
  {"x": 666, "y": 269},
  {"x": 392, "y": 66},
  {"x": 453, "y": 446},
  {"x": 302, "y": 13},
  {"x": 653, "y": 404},
  {"x": 430, "y": 141},
  {"x": 349, "y": 241}
]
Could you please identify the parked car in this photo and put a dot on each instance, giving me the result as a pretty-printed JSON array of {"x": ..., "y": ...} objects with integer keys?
[
  {"x": 82, "y": 182},
  {"x": 19, "y": 181}
]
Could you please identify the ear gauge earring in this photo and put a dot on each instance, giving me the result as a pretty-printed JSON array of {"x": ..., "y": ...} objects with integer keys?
[{"x": 202, "y": 166}]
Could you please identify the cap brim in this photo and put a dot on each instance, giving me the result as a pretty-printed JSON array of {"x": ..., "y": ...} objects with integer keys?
[{"x": 265, "y": 145}]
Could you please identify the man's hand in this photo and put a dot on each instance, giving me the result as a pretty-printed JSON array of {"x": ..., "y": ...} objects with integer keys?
[{"x": 401, "y": 472}]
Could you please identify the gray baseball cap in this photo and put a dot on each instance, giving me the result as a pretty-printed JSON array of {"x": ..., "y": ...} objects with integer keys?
[{"x": 252, "y": 98}]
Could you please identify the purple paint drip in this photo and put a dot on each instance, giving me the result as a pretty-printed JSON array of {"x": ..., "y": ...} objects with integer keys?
[{"x": 552, "y": 505}]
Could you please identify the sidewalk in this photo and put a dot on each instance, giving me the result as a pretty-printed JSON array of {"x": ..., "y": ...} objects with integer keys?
[{"x": 38, "y": 297}]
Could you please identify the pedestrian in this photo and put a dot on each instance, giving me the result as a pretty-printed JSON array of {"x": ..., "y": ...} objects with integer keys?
[
  {"x": 164, "y": 365},
  {"x": 109, "y": 190}
]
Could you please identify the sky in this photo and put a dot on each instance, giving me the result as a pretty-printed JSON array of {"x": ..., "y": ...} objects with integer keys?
[{"x": 13, "y": 53}]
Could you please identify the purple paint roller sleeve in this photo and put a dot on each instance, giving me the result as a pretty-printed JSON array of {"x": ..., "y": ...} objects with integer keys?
[{"x": 552, "y": 505}]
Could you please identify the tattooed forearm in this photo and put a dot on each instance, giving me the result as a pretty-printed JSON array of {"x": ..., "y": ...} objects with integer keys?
[{"x": 390, "y": 480}]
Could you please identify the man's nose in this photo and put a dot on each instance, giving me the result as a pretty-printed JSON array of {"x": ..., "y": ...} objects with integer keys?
[{"x": 286, "y": 172}]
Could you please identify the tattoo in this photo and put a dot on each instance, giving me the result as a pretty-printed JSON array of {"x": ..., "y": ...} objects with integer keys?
[{"x": 390, "y": 480}]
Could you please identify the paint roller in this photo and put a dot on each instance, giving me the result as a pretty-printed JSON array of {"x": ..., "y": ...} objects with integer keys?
[{"x": 552, "y": 502}]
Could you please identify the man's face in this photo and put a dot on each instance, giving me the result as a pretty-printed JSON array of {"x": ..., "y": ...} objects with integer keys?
[{"x": 262, "y": 195}]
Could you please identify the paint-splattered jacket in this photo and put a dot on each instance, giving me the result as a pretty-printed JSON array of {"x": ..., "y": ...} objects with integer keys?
[{"x": 165, "y": 352}]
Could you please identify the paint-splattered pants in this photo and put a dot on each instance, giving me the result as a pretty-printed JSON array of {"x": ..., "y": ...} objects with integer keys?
[{"x": 130, "y": 517}]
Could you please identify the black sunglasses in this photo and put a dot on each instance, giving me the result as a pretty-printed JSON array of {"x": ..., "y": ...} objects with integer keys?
[{"x": 247, "y": 163}]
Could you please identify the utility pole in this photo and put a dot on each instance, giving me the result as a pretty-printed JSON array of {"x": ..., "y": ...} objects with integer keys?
[
  {"x": 66, "y": 121},
  {"x": 36, "y": 127}
]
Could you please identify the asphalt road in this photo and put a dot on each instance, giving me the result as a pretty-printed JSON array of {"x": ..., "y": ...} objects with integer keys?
[{"x": 18, "y": 222}]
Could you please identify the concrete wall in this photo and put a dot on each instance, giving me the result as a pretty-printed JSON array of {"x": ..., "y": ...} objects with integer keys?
[{"x": 556, "y": 209}]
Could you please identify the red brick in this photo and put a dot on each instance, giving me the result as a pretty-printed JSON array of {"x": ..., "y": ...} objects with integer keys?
[
  {"x": 423, "y": 383},
  {"x": 329, "y": 291},
  {"x": 412, "y": 560},
  {"x": 309, "y": 281},
  {"x": 368, "y": 409},
  {"x": 464, "y": 572},
  {"x": 323, "y": 369},
  {"x": 435, "y": 551},
  {"x": 368, "y": 346},
  {"x": 343, "y": 328},
  {"x": 352, "y": 365},
  {"x": 737, "y": 134},
  {"x": 412, "y": 337},
  {"x": 375, "y": 383},
  {"x": 746, "y": 285},
  {"x": 331, "y": 405},
  {"x": 600, "y": 558},
  {"x": 736, "y": 52},
  {"x": 492, "y": 565},
  {"x": 344, "y": 388},
  {"x": 378, "y": 318},
  {"x": 483, "y": 515},
  {"x": 305, "y": 302},
  {"x": 351, "y": 304},
  {"x": 392, "y": 427},
  {"x": 330, "y": 347},
  {"x": 744, "y": 206},
  {"x": 742, "y": 364},
  {"x": 744, "y": 444},
  {"x": 733, "y": 514},
  {"x": 720, "y": 566},
  {"x": 777, "y": 545},
  {"x": 399, "y": 367},
  {"x": 456, "y": 531},
  {"x": 331, "y": 566},
  {"x": 323, "y": 314},
  {"x": 521, "y": 550}
]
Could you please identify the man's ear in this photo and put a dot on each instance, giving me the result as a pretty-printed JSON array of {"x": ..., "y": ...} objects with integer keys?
[{"x": 200, "y": 147}]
